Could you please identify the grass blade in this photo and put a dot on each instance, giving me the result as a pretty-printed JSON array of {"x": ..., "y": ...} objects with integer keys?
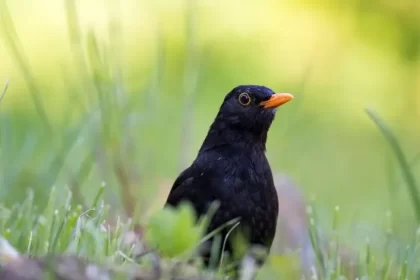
[
  {"x": 8, "y": 29},
  {"x": 402, "y": 160},
  {"x": 6, "y": 86}
]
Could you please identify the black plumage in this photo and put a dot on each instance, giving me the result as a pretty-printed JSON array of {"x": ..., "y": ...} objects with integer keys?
[{"x": 231, "y": 167}]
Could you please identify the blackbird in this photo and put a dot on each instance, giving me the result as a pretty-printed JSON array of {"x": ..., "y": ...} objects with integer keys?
[{"x": 231, "y": 168}]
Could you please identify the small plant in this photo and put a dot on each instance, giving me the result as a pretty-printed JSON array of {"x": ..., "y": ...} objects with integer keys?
[{"x": 174, "y": 232}]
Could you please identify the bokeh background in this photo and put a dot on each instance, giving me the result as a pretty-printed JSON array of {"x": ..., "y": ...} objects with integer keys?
[{"x": 122, "y": 93}]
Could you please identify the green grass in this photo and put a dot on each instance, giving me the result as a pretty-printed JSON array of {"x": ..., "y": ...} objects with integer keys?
[
  {"x": 402, "y": 161},
  {"x": 78, "y": 174},
  {"x": 63, "y": 229}
]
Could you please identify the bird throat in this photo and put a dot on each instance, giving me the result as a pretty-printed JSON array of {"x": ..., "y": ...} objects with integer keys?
[{"x": 222, "y": 133}]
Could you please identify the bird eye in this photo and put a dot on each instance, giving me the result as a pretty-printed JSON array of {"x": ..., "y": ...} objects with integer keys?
[{"x": 244, "y": 99}]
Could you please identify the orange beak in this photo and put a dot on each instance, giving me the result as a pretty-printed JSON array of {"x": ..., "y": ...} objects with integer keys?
[{"x": 277, "y": 100}]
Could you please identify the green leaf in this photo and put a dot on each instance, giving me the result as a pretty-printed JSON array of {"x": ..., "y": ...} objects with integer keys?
[{"x": 174, "y": 231}]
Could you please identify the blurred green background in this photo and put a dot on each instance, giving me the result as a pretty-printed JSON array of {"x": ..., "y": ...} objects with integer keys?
[{"x": 123, "y": 93}]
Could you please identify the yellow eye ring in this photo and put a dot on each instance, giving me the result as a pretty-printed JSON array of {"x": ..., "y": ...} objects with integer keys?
[{"x": 244, "y": 99}]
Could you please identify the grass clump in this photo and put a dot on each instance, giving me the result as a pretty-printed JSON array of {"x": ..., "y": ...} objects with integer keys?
[{"x": 67, "y": 234}]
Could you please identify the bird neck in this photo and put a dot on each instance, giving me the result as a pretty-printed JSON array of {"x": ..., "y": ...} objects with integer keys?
[{"x": 223, "y": 134}]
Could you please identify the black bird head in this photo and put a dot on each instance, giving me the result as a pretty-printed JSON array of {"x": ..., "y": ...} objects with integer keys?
[{"x": 245, "y": 116}]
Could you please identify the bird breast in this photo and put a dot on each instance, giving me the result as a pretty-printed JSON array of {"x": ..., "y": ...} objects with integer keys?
[{"x": 252, "y": 192}]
